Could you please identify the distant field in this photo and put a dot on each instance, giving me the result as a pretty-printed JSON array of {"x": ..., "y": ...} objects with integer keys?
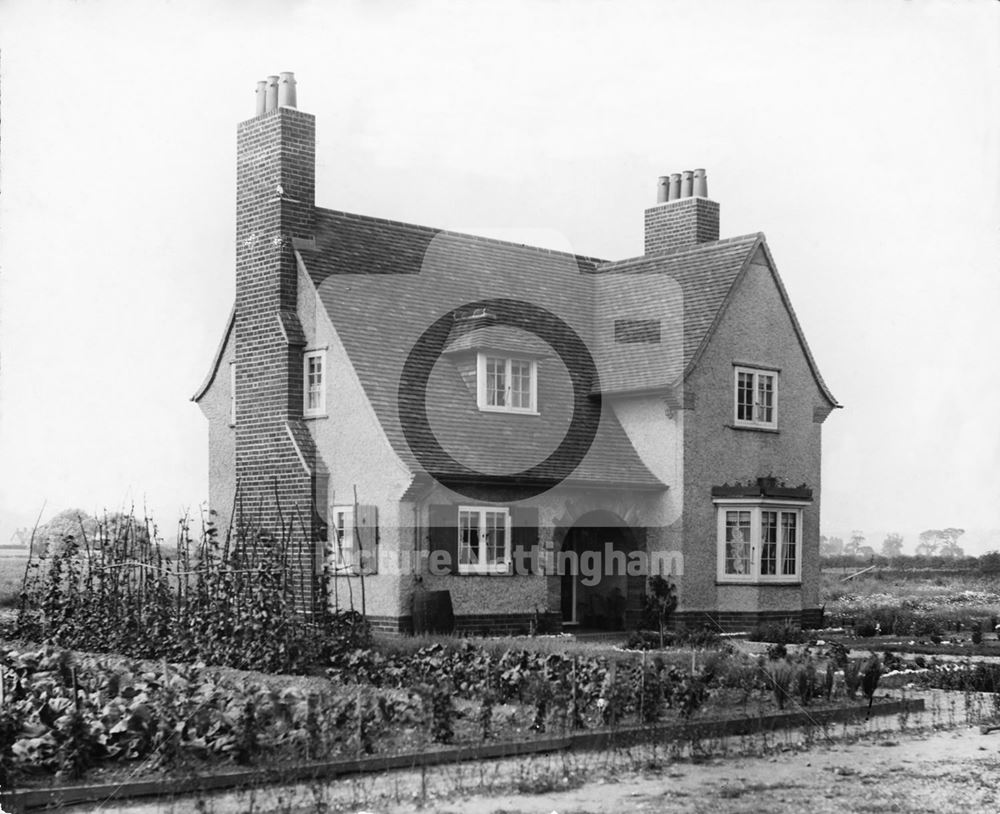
[{"x": 11, "y": 574}]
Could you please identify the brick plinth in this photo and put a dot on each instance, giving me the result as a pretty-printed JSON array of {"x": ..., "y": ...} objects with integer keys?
[{"x": 736, "y": 621}]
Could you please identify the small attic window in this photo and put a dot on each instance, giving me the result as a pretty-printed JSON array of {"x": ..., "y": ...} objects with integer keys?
[
  {"x": 637, "y": 331},
  {"x": 506, "y": 385}
]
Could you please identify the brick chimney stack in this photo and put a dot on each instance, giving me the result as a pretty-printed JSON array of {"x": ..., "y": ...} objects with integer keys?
[
  {"x": 275, "y": 191},
  {"x": 683, "y": 215}
]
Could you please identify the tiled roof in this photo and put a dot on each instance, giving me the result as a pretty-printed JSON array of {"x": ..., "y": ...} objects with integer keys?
[
  {"x": 680, "y": 291},
  {"x": 384, "y": 284}
]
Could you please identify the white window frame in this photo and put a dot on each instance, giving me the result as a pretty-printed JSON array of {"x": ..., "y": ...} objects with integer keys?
[
  {"x": 755, "y": 373},
  {"x": 482, "y": 392},
  {"x": 756, "y": 507},
  {"x": 483, "y": 567},
  {"x": 320, "y": 409},
  {"x": 343, "y": 542},
  {"x": 232, "y": 394}
]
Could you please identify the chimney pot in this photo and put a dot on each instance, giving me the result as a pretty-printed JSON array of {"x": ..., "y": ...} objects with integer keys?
[
  {"x": 272, "y": 94},
  {"x": 286, "y": 89},
  {"x": 700, "y": 184},
  {"x": 686, "y": 183},
  {"x": 675, "y": 186},
  {"x": 662, "y": 188},
  {"x": 261, "y": 97}
]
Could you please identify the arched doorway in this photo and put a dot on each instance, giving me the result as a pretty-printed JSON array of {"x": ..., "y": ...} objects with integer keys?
[{"x": 597, "y": 591}]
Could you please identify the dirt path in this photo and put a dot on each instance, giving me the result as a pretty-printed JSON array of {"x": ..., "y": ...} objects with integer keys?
[{"x": 954, "y": 770}]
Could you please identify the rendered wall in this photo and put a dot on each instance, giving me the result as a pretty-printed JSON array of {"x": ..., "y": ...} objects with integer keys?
[
  {"x": 215, "y": 404},
  {"x": 358, "y": 455}
]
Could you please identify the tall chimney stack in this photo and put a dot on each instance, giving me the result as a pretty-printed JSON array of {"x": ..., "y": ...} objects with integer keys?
[
  {"x": 275, "y": 205},
  {"x": 686, "y": 217}
]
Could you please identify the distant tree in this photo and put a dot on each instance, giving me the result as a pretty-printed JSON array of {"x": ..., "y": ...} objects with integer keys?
[
  {"x": 949, "y": 543},
  {"x": 989, "y": 563},
  {"x": 865, "y": 552},
  {"x": 831, "y": 546},
  {"x": 929, "y": 542},
  {"x": 20, "y": 537},
  {"x": 50, "y": 537},
  {"x": 892, "y": 545},
  {"x": 857, "y": 541}
]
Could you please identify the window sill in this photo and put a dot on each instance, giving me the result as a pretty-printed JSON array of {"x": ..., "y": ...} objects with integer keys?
[
  {"x": 310, "y": 417},
  {"x": 754, "y": 428},
  {"x": 503, "y": 411},
  {"x": 760, "y": 583}
]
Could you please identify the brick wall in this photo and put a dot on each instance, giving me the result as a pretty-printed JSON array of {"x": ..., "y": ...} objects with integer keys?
[
  {"x": 274, "y": 150},
  {"x": 681, "y": 223}
]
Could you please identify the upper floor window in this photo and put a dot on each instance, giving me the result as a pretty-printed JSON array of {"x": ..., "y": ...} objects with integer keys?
[
  {"x": 756, "y": 397},
  {"x": 483, "y": 540},
  {"x": 759, "y": 542},
  {"x": 314, "y": 383},
  {"x": 506, "y": 384}
]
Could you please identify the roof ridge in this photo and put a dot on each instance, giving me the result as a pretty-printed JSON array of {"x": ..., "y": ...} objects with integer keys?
[
  {"x": 466, "y": 235},
  {"x": 750, "y": 237}
]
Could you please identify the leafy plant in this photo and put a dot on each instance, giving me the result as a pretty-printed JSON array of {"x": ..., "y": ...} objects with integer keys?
[
  {"x": 780, "y": 674},
  {"x": 112, "y": 587},
  {"x": 661, "y": 601},
  {"x": 852, "y": 677}
]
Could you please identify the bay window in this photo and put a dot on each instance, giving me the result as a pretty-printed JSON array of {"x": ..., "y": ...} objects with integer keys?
[{"x": 759, "y": 541}]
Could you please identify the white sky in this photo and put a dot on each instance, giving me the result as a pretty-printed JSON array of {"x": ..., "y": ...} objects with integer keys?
[{"x": 861, "y": 137}]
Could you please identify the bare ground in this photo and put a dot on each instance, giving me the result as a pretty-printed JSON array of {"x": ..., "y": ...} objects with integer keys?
[{"x": 870, "y": 767}]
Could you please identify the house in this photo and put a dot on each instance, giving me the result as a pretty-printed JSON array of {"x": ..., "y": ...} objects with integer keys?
[{"x": 531, "y": 431}]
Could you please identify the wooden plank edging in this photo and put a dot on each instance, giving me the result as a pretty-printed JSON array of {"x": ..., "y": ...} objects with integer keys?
[{"x": 34, "y": 799}]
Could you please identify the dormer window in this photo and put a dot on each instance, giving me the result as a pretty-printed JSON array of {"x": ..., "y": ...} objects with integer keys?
[
  {"x": 506, "y": 384},
  {"x": 756, "y": 399}
]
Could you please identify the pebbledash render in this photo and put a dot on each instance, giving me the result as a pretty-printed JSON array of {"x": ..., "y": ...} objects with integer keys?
[{"x": 531, "y": 431}]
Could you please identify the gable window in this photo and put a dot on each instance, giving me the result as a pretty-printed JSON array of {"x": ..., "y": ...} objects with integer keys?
[
  {"x": 759, "y": 542},
  {"x": 756, "y": 398},
  {"x": 483, "y": 540},
  {"x": 232, "y": 394},
  {"x": 314, "y": 383},
  {"x": 506, "y": 384}
]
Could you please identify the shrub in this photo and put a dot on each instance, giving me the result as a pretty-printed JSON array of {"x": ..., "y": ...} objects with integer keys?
[
  {"x": 852, "y": 677},
  {"x": 648, "y": 640},
  {"x": 780, "y": 674},
  {"x": 704, "y": 637},
  {"x": 977, "y": 632},
  {"x": 778, "y": 633},
  {"x": 866, "y": 629},
  {"x": 660, "y": 602}
]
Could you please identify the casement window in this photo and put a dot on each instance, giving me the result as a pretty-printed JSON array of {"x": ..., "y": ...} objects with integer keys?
[
  {"x": 506, "y": 384},
  {"x": 232, "y": 394},
  {"x": 354, "y": 539},
  {"x": 483, "y": 540},
  {"x": 759, "y": 541},
  {"x": 756, "y": 398},
  {"x": 314, "y": 383}
]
